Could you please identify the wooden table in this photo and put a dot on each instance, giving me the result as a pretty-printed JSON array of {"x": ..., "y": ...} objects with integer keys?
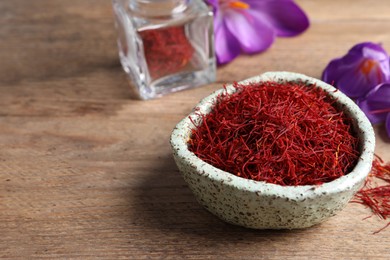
[{"x": 87, "y": 172}]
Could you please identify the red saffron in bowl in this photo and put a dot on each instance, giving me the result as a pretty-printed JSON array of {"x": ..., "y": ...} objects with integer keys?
[{"x": 283, "y": 133}]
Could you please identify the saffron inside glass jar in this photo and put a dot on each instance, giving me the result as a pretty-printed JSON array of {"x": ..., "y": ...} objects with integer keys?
[
  {"x": 282, "y": 133},
  {"x": 167, "y": 50},
  {"x": 166, "y": 45}
]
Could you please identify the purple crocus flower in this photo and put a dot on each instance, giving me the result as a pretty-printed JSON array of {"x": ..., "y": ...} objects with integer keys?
[
  {"x": 376, "y": 105},
  {"x": 365, "y": 66},
  {"x": 252, "y": 25}
]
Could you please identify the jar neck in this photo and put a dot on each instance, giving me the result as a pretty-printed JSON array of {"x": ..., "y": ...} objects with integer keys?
[{"x": 158, "y": 7}]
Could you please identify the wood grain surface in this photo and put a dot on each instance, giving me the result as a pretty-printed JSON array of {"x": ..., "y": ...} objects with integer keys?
[{"x": 86, "y": 171}]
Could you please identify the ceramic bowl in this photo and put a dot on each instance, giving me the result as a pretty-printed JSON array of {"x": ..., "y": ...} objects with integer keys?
[{"x": 260, "y": 205}]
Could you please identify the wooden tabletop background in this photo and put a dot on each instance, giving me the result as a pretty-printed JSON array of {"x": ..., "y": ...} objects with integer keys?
[{"x": 86, "y": 171}]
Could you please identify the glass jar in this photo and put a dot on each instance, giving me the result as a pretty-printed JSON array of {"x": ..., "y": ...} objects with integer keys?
[{"x": 165, "y": 45}]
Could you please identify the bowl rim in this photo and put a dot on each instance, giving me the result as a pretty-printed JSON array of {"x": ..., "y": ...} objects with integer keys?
[{"x": 182, "y": 132}]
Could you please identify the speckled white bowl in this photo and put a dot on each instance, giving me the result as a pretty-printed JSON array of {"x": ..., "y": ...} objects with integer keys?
[{"x": 261, "y": 205}]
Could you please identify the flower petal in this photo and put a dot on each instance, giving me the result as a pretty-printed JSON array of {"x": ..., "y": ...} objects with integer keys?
[
  {"x": 376, "y": 104},
  {"x": 388, "y": 125},
  {"x": 285, "y": 16},
  {"x": 226, "y": 45},
  {"x": 341, "y": 73},
  {"x": 253, "y": 34},
  {"x": 361, "y": 69},
  {"x": 213, "y": 3},
  {"x": 333, "y": 71},
  {"x": 353, "y": 84},
  {"x": 369, "y": 50}
]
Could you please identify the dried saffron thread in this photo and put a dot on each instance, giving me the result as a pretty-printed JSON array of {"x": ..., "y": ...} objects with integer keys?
[
  {"x": 374, "y": 195},
  {"x": 380, "y": 169},
  {"x": 282, "y": 133}
]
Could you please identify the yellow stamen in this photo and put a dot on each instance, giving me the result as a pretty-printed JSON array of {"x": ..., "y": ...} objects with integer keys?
[
  {"x": 367, "y": 66},
  {"x": 239, "y": 5}
]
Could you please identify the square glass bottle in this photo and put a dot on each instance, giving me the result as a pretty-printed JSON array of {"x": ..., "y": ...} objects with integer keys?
[{"x": 165, "y": 45}]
